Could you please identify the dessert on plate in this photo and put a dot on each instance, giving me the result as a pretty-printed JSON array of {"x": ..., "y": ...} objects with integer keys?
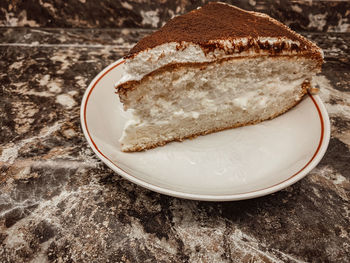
[{"x": 214, "y": 68}]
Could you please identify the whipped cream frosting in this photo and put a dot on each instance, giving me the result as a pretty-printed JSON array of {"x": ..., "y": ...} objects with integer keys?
[{"x": 150, "y": 60}]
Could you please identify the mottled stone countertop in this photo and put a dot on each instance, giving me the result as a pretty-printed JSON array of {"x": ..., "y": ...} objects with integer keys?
[{"x": 59, "y": 203}]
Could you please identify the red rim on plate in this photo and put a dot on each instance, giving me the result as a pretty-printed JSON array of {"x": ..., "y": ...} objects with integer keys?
[{"x": 237, "y": 196}]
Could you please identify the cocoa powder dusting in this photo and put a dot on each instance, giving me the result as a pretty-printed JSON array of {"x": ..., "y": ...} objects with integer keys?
[{"x": 216, "y": 21}]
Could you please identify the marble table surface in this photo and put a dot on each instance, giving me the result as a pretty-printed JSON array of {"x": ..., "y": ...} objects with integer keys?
[{"x": 59, "y": 203}]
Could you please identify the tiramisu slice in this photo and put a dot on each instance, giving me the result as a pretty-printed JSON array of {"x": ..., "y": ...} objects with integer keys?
[{"x": 214, "y": 68}]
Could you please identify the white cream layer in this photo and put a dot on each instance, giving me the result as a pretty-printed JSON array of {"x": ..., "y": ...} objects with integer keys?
[
  {"x": 152, "y": 59},
  {"x": 249, "y": 86}
]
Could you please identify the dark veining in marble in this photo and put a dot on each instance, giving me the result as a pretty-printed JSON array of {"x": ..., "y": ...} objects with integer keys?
[{"x": 330, "y": 16}]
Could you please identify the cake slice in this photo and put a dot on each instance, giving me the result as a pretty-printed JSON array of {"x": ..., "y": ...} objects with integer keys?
[{"x": 214, "y": 68}]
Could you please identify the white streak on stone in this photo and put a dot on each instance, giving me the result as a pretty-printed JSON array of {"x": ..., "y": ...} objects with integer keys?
[
  {"x": 40, "y": 31},
  {"x": 64, "y": 164},
  {"x": 41, "y": 255},
  {"x": 15, "y": 240},
  {"x": 66, "y": 100},
  {"x": 211, "y": 240},
  {"x": 264, "y": 254},
  {"x": 44, "y": 80},
  {"x": 48, "y": 6},
  {"x": 137, "y": 232},
  {"x": 289, "y": 256},
  {"x": 297, "y": 8},
  {"x": 16, "y": 65},
  {"x": 249, "y": 245},
  {"x": 81, "y": 81},
  {"x": 10, "y": 151},
  {"x": 317, "y": 21},
  {"x": 54, "y": 88},
  {"x": 343, "y": 26},
  {"x": 150, "y": 17},
  {"x": 327, "y": 93},
  {"x": 320, "y": 175},
  {"x": 69, "y": 133},
  {"x": 18, "y": 20},
  {"x": 126, "y": 5}
]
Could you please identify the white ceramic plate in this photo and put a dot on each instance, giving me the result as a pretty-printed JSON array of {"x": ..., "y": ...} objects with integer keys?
[{"x": 234, "y": 164}]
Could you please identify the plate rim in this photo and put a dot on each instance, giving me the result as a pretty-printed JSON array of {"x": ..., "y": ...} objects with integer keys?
[{"x": 315, "y": 159}]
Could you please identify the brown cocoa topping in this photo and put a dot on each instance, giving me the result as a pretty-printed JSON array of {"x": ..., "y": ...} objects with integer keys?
[{"x": 217, "y": 21}]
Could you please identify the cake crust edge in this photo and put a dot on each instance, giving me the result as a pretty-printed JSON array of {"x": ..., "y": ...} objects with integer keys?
[
  {"x": 304, "y": 90},
  {"x": 153, "y": 40},
  {"x": 123, "y": 88}
]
